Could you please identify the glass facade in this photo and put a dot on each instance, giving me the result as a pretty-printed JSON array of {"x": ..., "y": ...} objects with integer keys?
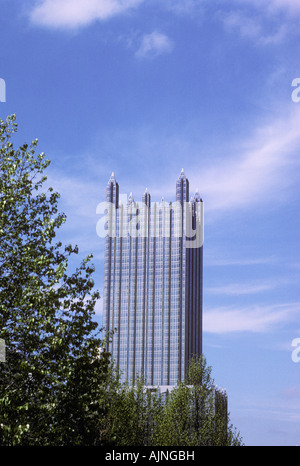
[{"x": 153, "y": 283}]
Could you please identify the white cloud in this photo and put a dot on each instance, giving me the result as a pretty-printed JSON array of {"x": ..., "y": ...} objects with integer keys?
[
  {"x": 77, "y": 13},
  {"x": 154, "y": 44},
  {"x": 253, "y": 27},
  {"x": 72, "y": 14},
  {"x": 262, "y": 169},
  {"x": 79, "y": 199},
  {"x": 273, "y": 6},
  {"x": 183, "y": 7},
  {"x": 215, "y": 260},
  {"x": 290, "y": 6},
  {"x": 259, "y": 169},
  {"x": 265, "y": 22},
  {"x": 248, "y": 319},
  {"x": 291, "y": 393},
  {"x": 235, "y": 289}
]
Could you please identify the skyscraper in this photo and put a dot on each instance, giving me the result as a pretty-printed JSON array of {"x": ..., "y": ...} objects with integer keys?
[{"x": 153, "y": 282}]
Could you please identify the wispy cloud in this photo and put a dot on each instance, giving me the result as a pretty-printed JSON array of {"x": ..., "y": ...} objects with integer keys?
[
  {"x": 274, "y": 410},
  {"x": 235, "y": 289},
  {"x": 70, "y": 14},
  {"x": 291, "y": 393},
  {"x": 184, "y": 7},
  {"x": 79, "y": 199},
  {"x": 246, "y": 172},
  {"x": 154, "y": 44},
  {"x": 218, "y": 261},
  {"x": 267, "y": 160},
  {"x": 259, "y": 319},
  {"x": 252, "y": 27},
  {"x": 275, "y": 6}
]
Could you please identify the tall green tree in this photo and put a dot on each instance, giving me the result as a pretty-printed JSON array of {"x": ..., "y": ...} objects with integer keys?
[
  {"x": 52, "y": 385},
  {"x": 194, "y": 413},
  {"x": 132, "y": 410}
]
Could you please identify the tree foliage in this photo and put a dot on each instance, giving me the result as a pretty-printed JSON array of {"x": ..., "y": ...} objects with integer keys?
[
  {"x": 130, "y": 415},
  {"x": 194, "y": 413},
  {"x": 50, "y": 385}
]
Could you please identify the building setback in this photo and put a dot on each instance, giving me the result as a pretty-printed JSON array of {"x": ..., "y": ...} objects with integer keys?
[{"x": 153, "y": 269}]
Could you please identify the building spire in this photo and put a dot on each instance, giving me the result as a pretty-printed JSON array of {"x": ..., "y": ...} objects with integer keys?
[
  {"x": 182, "y": 188},
  {"x": 197, "y": 196},
  {"x": 130, "y": 198},
  {"x": 112, "y": 190},
  {"x": 146, "y": 197}
]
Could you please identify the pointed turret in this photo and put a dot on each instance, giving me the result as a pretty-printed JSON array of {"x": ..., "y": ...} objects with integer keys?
[
  {"x": 130, "y": 199},
  {"x": 182, "y": 188},
  {"x": 197, "y": 196},
  {"x": 112, "y": 190},
  {"x": 146, "y": 199}
]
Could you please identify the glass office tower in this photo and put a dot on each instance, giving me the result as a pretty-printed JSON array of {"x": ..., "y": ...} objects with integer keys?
[{"x": 153, "y": 282}]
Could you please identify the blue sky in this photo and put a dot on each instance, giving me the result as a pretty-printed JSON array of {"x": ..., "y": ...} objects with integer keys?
[{"x": 144, "y": 88}]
